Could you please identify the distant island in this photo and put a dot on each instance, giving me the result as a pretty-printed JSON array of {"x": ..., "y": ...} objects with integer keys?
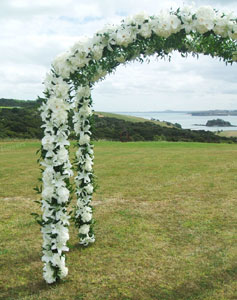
[
  {"x": 217, "y": 123},
  {"x": 215, "y": 113}
]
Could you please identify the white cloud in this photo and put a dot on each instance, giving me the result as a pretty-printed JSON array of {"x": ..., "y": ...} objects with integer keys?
[{"x": 34, "y": 32}]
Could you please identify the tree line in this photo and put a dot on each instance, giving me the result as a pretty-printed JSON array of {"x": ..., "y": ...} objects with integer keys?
[{"x": 23, "y": 121}]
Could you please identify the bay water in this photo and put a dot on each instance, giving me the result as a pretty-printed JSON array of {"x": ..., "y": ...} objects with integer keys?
[{"x": 186, "y": 120}]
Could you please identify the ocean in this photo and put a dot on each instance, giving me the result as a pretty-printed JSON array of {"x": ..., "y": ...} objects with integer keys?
[{"x": 186, "y": 120}]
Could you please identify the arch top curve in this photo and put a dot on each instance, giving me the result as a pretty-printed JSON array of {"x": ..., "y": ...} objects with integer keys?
[{"x": 202, "y": 30}]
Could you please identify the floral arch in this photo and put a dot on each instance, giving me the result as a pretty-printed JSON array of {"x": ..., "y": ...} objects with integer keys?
[{"x": 68, "y": 88}]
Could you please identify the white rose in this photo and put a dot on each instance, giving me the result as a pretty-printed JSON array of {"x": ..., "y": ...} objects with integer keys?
[
  {"x": 205, "y": 19},
  {"x": 124, "y": 37},
  {"x": 86, "y": 217},
  {"x": 84, "y": 229},
  {"x": 84, "y": 138},
  {"x": 63, "y": 194},
  {"x": 62, "y": 156},
  {"x": 86, "y": 214},
  {"x": 145, "y": 30},
  {"x": 47, "y": 142},
  {"x": 48, "y": 192}
]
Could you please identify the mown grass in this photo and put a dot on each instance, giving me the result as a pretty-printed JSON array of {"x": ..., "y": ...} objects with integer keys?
[{"x": 166, "y": 225}]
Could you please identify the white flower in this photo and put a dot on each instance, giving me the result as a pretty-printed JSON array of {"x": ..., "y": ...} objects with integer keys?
[
  {"x": 186, "y": 14},
  {"x": 48, "y": 175},
  {"x": 47, "y": 257},
  {"x": 59, "y": 109},
  {"x": 99, "y": 74},
  {"x": 89, "y": 188},
  {"x": 48, "y": 273},
  {"x": 86, "y": 216},
  {"x": 63, "y": 272},
  {"x": 84, "y": 229},
  {"x": 97, "y": 51},
  {"x": 205, "y": 17},
  {"x": 83, "y": 92},
  {"x": 124, "y": 37},
  {"x": 49, "y": 81},
  {"x": 62, "y": 217},
  {"x": 47, "y": 142},
  {"x": 166, "y": 24},
  {"x": 145, "y": 30},
  {"x": 61, "y": 66},
  {"x": 140, "y": 18},
  {"x": 84, "y": 138},
  {"x": 48, "y": 192},
  {"x": 61, "y": 89},
  {"x": 47, "y": 213},
  {"x": 83, "y": 176},
  {"x": 88, "y": 239},
  {"x": 58, "y": 260},
  {"x": 85, "y": 111},
  {"x": 88, "y": 166},
  {"x": 63, "y": 195},
  {"x": 62, "y": 156},
  {"x": 79, "y": 153},
  {"x": 60, "y": 245}
]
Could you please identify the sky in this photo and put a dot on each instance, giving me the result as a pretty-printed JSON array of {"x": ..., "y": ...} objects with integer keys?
[{"x": 33, "y": 33}]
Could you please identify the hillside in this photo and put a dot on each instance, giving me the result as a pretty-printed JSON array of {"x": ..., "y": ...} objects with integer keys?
[
  {"x": 131, "y": 118},
  {"x": 23, "y": 121}
]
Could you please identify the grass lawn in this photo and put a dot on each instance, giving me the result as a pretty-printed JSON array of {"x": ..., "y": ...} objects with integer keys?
[{"x": 166, "y": 225}]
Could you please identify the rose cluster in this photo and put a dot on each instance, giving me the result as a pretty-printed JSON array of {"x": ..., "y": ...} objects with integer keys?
[{"x": 201, "y": 20}]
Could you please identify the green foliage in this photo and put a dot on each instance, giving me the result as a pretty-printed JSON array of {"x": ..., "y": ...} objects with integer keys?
[
  {"x": 115, "y": 129},
  {"x": 26, "y": 123},
  {"x": 17, "y": 103}
]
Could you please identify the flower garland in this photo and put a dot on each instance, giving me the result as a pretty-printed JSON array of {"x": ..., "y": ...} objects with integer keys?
[
  {"x": 187, "y": 30},
  {"x": 55, "y": 178},
  {"x": 84, "y": 162}
]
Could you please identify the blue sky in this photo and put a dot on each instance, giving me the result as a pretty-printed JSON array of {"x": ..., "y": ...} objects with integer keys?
[{"x": 34, "y": 32}]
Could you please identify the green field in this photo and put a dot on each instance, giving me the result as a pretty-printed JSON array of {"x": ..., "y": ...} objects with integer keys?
[{"x": 166, "y": 225}]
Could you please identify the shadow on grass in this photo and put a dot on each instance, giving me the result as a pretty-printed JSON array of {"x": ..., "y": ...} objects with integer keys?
[
  {"x": 195, "y": 290},
  {"x": 21, "y": 291}
]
